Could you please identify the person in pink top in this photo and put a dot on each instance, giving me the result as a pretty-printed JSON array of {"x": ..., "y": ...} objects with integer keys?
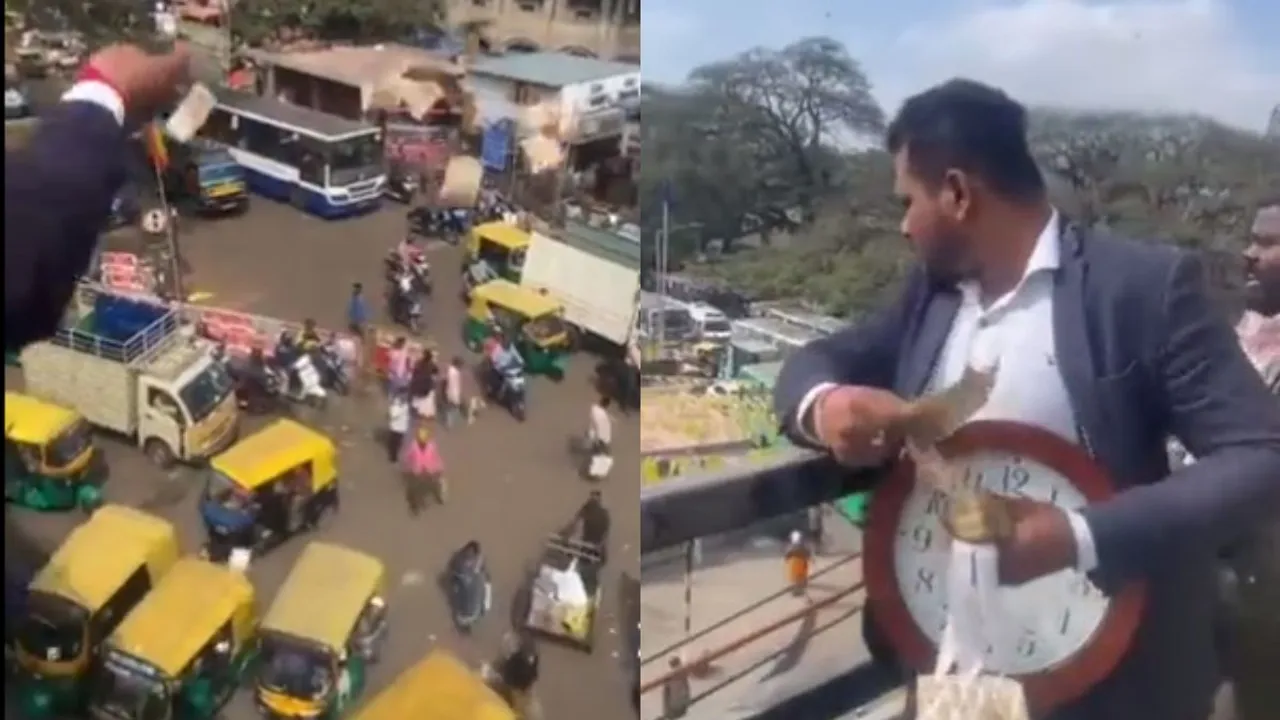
[
  {"x": 399, "y": 366},
  {"x": 423, "y": 469}
]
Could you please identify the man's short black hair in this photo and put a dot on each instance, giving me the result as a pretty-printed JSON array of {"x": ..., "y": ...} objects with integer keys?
[{"x": 965, "y": 125}]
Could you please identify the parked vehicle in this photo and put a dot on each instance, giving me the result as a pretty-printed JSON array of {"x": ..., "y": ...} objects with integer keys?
[
  {"x": 182, "y": 652},
  {"x": 126, "y": 366},
  {"x": 327, "y": 166},
  {"x": 95, "y": 578},
  {"x": 439, "y": 687},
  {"x": 50, "y": 459}
]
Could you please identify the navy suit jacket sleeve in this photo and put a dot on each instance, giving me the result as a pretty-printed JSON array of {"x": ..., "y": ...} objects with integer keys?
[
  {"x": 57, "y": 196},
  {"x": 865, "y": 354},
  {"x": 1218, "y": 407}
]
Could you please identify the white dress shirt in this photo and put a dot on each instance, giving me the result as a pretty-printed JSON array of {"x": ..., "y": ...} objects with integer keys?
[{"x": 1017, "y": 331}]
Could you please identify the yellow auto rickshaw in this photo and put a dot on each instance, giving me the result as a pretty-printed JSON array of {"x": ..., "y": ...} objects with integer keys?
[
  {"x": 439, "y": 687},
  {"x": 533, "y": 320},
  {"x": 182, "y": 651},
  {"x": 325, "y": 627},
  {"x": 50, "y": 460},
  {"x": 100, "y": 572},
  {"x": 268, "y": 487},
  {"x": 501, "y": 246}
]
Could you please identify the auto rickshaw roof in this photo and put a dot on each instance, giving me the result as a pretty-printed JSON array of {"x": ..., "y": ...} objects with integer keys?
[
  {"x": 184, "y": 611},
  {"x": 264, "y": 455},
  {"x": 29, "y": 419},
  {"x": 526, "y": 301},
  {"x": 324, "y": 594},
  {"x": 99, "y": 556},
  {"x": 505, "y": 234},
  {"x": 439, "y": 687}
]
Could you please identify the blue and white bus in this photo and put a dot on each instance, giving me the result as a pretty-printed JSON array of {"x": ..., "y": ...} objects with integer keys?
[{"x": 323, "y": 164}]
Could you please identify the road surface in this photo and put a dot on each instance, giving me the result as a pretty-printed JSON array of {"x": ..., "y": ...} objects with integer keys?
[
  {"x": 511, "y": 484},
  {"x": 824, "y": 640}
]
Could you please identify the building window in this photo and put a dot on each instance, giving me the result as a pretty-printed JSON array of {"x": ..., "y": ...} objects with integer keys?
[
  {"x": 530, "y": 5},
  {"x": 525, "y": 95},
  {"x": 597, "y": 101},
  {"x": 480, "y": 3}
]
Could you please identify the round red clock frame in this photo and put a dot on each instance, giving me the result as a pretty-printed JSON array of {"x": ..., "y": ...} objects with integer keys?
[{"x": 1045, "y": 690}]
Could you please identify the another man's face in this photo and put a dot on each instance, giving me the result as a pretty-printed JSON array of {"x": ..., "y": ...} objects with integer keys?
[
  {"x": 1262, "y": 257},
  {"x": 932, "y": 221}
]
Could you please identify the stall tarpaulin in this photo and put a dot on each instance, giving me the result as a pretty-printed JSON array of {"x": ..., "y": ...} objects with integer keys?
[{"x": 496, "y": 145}]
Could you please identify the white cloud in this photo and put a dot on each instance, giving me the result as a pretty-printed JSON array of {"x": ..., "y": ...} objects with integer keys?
[{"x": 1152, "y": 55}]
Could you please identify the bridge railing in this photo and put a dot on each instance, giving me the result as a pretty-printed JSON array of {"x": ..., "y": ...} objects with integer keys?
[{"x": 688, "y": 514}]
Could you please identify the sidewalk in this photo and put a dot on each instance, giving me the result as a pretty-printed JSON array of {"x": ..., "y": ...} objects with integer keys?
[{"x": 788, "y": 661}]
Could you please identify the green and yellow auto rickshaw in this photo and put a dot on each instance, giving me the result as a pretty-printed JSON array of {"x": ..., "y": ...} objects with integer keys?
[
  {"x": 182, "y": 652},
  {"x": 324, "y": 629},
  {"x": 502, "y": 246},
  {"x": 533, "y": 320},
  {"x": 100, "y": 572},
  {"x": 50, "y": 460},
  {"x": 439, "y": 687}
]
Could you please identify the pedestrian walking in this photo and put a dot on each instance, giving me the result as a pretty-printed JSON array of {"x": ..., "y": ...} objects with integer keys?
[
  {"x": 422, "y": 386},
  {"x": 399, "y": 366},
  {"x": 423, "y": 470},
  {"x": 676, "y": 693},
  {"x": 357, "y": 311},
  {"x": 599, "y": 440},
  {"x": 397, "y": 425},
  {"x": 453, "y": 400},
  {"x": 798, "y": 557}
]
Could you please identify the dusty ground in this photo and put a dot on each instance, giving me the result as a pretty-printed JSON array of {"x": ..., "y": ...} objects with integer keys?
[{"x": 512, "y": 484}]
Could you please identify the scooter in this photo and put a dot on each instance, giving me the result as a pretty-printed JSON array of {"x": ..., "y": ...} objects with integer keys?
[{"x": 509, "y": 390}]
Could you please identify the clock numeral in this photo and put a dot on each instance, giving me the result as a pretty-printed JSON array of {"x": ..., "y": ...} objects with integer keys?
[
  {"x": 973, "y": 570},
  {"x": 1081, "y": 587},
  {"x": 925, "y": 580},
  {"x": 1026, "y": 646},
  {"x": 972, "y": 480},
  {"x": 1065, "y": 622},
  {"x": 921, "y": 538},
  {"x": 1053, "y": 496},
  {"x": 1015, "y": 480},
  {"x": 937, "y": 504}
]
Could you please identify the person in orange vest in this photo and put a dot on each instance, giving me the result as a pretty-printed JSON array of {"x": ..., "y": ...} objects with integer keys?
[{"x": 798, "y": 557}]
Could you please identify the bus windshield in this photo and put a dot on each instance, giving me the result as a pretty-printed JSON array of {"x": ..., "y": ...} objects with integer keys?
[
  {"x": 206, "y": 391},
  {"x": 354, "y": 160}
]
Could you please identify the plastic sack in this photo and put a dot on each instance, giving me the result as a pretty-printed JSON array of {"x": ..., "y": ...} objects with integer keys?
[{"x": 958, "y": 689}]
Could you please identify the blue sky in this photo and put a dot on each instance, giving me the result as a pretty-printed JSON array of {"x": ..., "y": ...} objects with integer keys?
[{"x": 1126, "y": 54}]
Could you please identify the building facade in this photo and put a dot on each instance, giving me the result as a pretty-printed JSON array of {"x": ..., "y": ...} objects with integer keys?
[{"x": 607, "y": 29}]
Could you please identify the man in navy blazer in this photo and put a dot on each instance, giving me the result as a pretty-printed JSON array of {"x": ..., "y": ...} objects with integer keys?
[
  {"x": 58, "y": 189},
  {"x": 1109, "y": 343}
]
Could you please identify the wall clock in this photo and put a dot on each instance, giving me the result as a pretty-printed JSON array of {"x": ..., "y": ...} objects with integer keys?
[{"x": 1063, "y": 634}]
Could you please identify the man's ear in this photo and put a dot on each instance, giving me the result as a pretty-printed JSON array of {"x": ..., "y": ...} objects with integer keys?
[{"x": 956, "y": 195}]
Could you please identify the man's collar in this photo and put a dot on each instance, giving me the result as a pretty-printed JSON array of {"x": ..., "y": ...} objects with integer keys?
[{"x": 1047, "y": 253}]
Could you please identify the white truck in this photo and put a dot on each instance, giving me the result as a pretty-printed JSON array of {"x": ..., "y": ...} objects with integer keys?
[
  {"x": 128, "y": 367},
  {"x": 593, "y": 272}
]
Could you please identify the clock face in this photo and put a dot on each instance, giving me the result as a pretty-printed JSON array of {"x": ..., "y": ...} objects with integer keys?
[{"x": 1048, "y": 620}]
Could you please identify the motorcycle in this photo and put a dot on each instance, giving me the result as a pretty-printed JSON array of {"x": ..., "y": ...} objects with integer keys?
[
  {"x": 470, "y": 588},
  {"x": 449, "y": 225},
  {"x": 257, "y": 388},
  {"x": 508, "y": 389},
  {"x": 419, "y": 270},
  {"x": 405, "y": 303},
  {"x": 334, "y": 374},
  {"x": 401, "y": 188}
]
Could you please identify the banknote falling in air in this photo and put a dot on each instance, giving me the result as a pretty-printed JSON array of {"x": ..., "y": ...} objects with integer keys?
[
  {"x": 975, "y": 516},
  {"x": 543, "y": 129}
]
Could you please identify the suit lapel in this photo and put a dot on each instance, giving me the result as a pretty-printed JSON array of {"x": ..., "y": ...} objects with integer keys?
[
  {"x": 930, "y": 336},
  {"x": 1071, "y": 335}
]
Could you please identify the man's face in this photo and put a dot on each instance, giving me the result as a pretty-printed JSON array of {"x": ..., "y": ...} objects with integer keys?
[
  {"x": 933, "y": 221},
  {"x": 1262, "y": 279}
]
